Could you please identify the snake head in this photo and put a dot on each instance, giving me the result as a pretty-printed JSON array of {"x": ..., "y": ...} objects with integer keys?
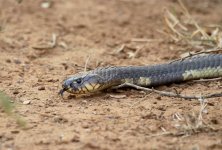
[{"x": 82, "y": 83}]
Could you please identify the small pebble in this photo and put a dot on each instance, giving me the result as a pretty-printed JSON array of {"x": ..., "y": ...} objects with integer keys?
[
  {"x": 15, "y": 92},
  {"x": 60, "y": 119},
  {"x": 46, "y": 4},
  {"x": 15, "y": 131},
  {"x": 85, "y": 125},
  {"x": 8, "y": 61},
  {"x": 41, "y": 88},
  {"x": 27, "y": 102}
]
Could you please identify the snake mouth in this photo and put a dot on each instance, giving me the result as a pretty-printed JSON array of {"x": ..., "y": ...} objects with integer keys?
[{"x": 62, "y": 91}]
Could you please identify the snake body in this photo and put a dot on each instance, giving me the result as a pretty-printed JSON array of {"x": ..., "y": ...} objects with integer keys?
[{"x": 198, "y": 67}]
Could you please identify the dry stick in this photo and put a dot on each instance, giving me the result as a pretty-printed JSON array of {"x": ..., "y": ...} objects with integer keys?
[
  {"x": 86, "y": 63},
  {"x": 137, "y": 51},
  {"x": 169, "y": 94},
  {"x": 145, "y": 40},
  {"x": 207, "y": 80},
  {"x": 50, "y": 46},
  {"x": 217, "y": 49},
  {"x": 120, "y": 49}
]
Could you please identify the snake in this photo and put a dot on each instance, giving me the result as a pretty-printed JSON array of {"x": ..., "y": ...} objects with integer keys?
[{"x": 192, "y": 68}]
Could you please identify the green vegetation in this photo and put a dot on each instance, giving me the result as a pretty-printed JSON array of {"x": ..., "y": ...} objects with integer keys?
[{"x": 8, "y": 107}]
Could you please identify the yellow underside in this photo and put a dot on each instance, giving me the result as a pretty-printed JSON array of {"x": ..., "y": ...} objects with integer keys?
[{"x": 204, "y": 73}]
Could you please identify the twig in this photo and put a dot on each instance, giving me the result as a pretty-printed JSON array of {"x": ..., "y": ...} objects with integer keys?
[
  {"x": 169, "y": 94},
  {"x": 160, "y": 134},
  {"x": 120, "y": 49},
  {"x": 136, "y": 52},
  {"x": 207, "y": 80},
  {"x": 145, "y": 40},
  {"x": 50, "y": 46},
  {"x": 217, "y": 49}
]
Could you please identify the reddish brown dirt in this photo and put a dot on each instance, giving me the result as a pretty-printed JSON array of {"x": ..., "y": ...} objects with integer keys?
[{"x": 125, "y": 119}]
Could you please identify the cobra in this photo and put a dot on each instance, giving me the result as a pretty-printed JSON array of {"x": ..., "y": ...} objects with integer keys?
[{"x": 198, "y": 67}]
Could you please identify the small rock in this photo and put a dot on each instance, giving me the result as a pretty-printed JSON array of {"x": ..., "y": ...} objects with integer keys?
[
  {"x": 26, "y": 102},
  {"x": 117, "y": 96},
  {"x": 15, "y": 131},
  {"x": 15, "y": 92},
  {"x": 85, "y": 125},
  {"x": 53, "y": 80},
  {"x": 60, "y": 119},
  {"x": 75, "y": 139},
  {"x": 41, "y": 88},
  {"x": 8, "y": 60},
  {"x": 46, "y": 4}
]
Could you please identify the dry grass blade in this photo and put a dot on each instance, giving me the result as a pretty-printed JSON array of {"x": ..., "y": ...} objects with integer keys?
[
  {"x": 171, "y": 24},
  {"x": 192, "y": 32},
  {"x": 86, "y": 63},
  {"x": 186, "y": 12}
]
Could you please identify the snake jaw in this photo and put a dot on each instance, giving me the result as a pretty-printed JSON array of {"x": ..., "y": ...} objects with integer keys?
[{"x": 62, "y": 91}]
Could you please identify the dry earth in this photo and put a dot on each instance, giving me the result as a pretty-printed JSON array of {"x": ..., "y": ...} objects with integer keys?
[{"x": 32, "y": 72}]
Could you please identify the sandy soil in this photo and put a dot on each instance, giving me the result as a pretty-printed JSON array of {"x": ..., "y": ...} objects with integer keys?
[{"x": 32, "y": 72}]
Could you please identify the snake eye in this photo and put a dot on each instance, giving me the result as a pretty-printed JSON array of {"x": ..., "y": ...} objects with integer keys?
[{"x": 79, "y": 80}]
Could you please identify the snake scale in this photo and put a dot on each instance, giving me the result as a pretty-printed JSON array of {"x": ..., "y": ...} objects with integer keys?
[{"x": 196, "y": 67}]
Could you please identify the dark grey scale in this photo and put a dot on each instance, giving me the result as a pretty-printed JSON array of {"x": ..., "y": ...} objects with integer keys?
[
  {"x": 213, "y": 62},
  {"x": 173, "y": 67},
  {"x": 117, "y": 74},
  {"x": 178, "y": 76},
  {"x": 157, "y": 80},
  {"x": 220, "y": 61},
  {"x": 167, "y": 78},
  {"x": 207, "y": 60},
  {"x": 196, "y": 64},
  {"x": 182, "y": 67},
  {"x": 153, "y": 71},
  {"x": 122, "y": 75},
  {"x": 217, "y": 61},
  {"x": 127, "y": 72},
  {"x": 203, "y": 64},
  {"x": 145, "y": 72},
  {"x": 163, "y": 70},
  {"x": 170, "y": 78}
]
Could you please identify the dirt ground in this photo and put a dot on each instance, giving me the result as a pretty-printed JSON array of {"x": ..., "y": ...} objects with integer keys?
[{"x": 32, "y": 72}]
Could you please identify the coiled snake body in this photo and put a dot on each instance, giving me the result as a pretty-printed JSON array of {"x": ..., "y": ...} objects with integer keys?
[{"x": 198, "y": 67}]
